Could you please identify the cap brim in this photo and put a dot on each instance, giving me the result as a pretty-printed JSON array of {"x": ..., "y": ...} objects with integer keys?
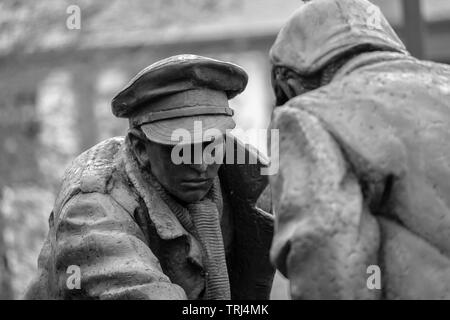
[{"x": 188, "y": 130}]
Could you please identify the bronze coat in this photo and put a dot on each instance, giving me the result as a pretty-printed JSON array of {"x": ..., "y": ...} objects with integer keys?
[
  {"x": 111, "y": 223},
  {"x": 365, "y": 180}
]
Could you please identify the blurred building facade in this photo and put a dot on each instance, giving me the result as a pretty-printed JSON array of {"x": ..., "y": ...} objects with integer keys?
[{"x": 56, "y": 85}]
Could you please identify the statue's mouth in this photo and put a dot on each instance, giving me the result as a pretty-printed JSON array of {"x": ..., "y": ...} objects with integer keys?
[{"x": 195, "y": 183}]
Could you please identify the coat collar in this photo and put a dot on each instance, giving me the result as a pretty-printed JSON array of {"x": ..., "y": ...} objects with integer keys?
[{"x": 368, "y": 59}]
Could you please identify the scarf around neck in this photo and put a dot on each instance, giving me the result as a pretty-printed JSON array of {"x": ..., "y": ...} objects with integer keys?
[{"x": 202, "y": 220}]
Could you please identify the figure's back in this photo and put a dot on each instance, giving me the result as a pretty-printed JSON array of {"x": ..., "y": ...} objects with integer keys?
[{"x": 391, "y": 118}]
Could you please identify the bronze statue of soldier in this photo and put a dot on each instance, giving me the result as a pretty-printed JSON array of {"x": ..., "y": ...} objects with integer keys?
[
  {"x": 139, "y": 225},
  {"x": 364, "y": 180}
]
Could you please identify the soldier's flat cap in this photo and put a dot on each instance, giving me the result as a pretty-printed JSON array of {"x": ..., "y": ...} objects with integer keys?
[{"x": 179, "y": 91}]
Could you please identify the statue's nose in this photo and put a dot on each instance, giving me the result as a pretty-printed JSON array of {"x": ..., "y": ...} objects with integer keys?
[{"x": 200, "y": 167}]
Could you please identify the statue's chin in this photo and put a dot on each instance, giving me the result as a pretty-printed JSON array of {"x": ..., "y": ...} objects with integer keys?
[{"x": 190, "y": 196}]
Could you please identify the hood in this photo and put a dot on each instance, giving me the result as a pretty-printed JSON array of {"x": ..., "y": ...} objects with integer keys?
[{"x": 322, "y": 30}]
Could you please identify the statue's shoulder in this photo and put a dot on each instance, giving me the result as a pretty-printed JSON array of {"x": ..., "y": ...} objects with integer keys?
[
  {"x": 92, "y": 170},
  {"x": 379, "y": 78}
]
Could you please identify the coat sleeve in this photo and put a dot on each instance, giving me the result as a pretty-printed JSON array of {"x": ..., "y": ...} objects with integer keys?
[
  {"x": 325, "y": 237},
  {"x": 93, "y": 232}
]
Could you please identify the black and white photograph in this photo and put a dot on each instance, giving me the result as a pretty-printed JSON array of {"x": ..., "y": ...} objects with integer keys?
[{"x": 242, "y": 151}]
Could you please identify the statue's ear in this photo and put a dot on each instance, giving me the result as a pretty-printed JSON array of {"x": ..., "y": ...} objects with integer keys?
[{"x": 139, "y": 146}]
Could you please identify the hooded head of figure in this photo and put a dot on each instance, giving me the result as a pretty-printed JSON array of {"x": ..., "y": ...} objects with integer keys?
[{"x": 320, "y": 37}]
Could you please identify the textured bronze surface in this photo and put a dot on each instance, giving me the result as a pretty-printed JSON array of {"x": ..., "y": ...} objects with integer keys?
[
  {"x": 365, "y": 178},
  {"x": 109, "y": 221}
]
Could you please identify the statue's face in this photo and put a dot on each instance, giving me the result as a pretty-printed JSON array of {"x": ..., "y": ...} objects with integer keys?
[
  {"x": 187, "y": 182},
  {"x": 288, "y": 84}
]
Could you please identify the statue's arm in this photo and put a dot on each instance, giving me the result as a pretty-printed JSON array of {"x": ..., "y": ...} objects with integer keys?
[
  {"x": 325, "y": 237},
  {"x": 96, "y": 234}
]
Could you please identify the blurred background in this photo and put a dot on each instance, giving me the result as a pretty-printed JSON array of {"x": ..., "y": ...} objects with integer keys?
[{"x": 56, "y": 85}]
